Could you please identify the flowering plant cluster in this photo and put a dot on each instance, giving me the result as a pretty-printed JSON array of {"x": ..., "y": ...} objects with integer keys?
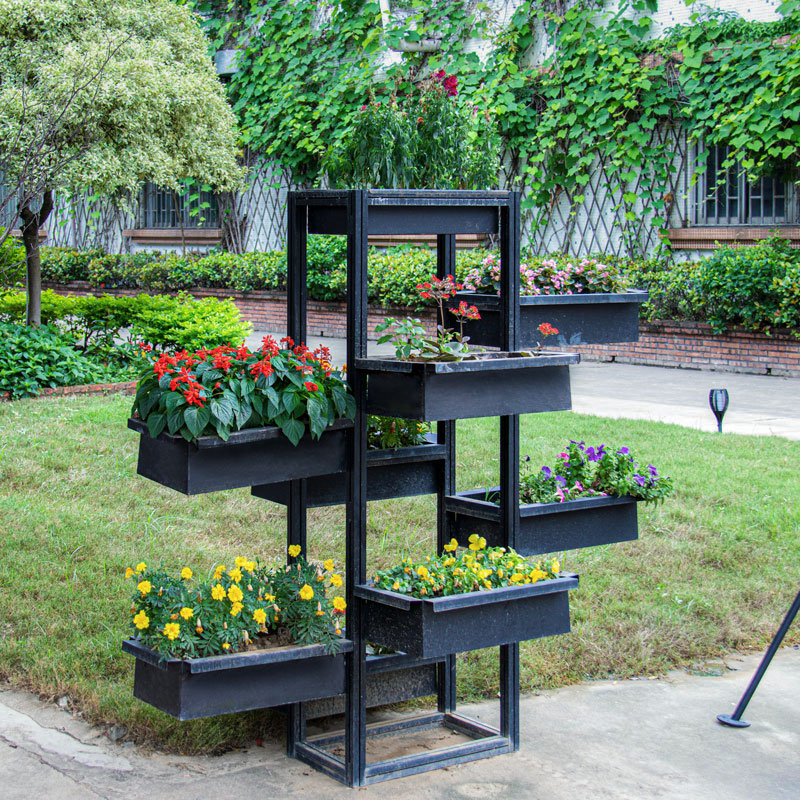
[
  {"x": 390, "y": 433},
  {"x": 229, "y": 388},
  {"x": 549, "y": 275},
  {"x": 409, "y": 337},
  {"x": 476, "y": 568},
  {"x": 242, "y": 608},
  {"x": 582, "y": 471}
]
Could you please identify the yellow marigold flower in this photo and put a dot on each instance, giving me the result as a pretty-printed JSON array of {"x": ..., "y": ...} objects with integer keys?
[
  {"x": 328, "y": 564},
  {"x": 235, "y": 594},
  {"x": 294, "y": 550},
  {"x": 423, "y": 591},
  {"x": 487, "y": 584},
  {"x": 449, "y": 562},
  {"x": 395, "y": 586},
  {"x": 236, "y": 608},
  {"x": 199, "y": 628},
  {"x": 336, "y": 580},
  {"x": 218, "y": 592},
  {"x": 452, "y": 545},
  {"x": 226, "y": 646},
  {"x": 236, "y": 575},
  {"x": 338, "y": 631},
  {"x": 145, "y": 587},
  {"x": 276, "y": 618},
  {"x": 516, "y": 577},
  {"x": 240, "y": 561},
  {"x": 260, "y": 616},
  {"x": 422, "y": 572},
  {"x": 476, "y": 542},
  {"x": 339, "y": 603},
  {"x": 187, "y": 612},
  {"x": 537, "y": 575},
  {"x": 500, "y": 573},
  {"x": 320, "y": 577},
  {"x": 186, "y": 574},
  {"x": 407, "y": 570},
  {"x": 129, "y": 572},
  {"x": 172, "y": 630},
  {"x": 218, "y": 572},
  {"x": 141, "y": 621},
  {"x": 249, "y": 566},
  {"x": 306, "y": 593},
  {"x": 141, "y": 566},
  {"x": 555, "y": 568}
]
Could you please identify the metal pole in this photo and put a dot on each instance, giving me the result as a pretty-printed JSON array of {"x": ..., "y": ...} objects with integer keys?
[{"x": 735, "y": 720}]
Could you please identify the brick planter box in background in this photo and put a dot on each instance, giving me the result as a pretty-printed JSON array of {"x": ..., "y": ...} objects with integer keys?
[
  {"x": 267, "y": 310},
  {"x": 128, "y": 387},
  {"x": 689, "y": 345},
  {"x": 692, "y": 345}
]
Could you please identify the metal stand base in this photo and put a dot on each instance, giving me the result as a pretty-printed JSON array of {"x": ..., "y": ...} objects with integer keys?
[{"x": 731, "y": 721}]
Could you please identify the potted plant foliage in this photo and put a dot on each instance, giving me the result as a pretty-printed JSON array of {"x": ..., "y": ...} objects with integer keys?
[
  {"x": 248, "y": 637},
  {"x": 443, "y": 377},
  {"x": 229, "y": 417},
  {"x": 587, "y": 299},
  {"x": 465, "y": 600},
  {"x": 588, "y": 497},
  {"x": 403, "y": 460}
]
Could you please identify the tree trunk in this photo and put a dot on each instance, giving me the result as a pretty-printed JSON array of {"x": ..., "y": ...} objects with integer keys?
[{"x": 31, "y": 222}]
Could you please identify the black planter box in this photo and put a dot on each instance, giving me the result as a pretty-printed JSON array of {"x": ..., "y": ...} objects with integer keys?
[
  {"x": 206, "y": 687},
  {"x": 580, "y": 318},
  {"x": 545, "y": 527},
  {"x": 249, "y": 457},
  {"x": 405, "y": 472},
  {"x": 497, "y": 384},
  {"x": 428, "y": 628}
]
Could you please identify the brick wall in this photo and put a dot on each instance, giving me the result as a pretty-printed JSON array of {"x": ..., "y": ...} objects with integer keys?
[
  {"x": 267, "y": 310},
  {"x": 692, "y": 345},
  {"x": 126, "y": 387},
  {"x": 664, "y": 344}
]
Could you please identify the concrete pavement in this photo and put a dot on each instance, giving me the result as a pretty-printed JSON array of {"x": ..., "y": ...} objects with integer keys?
[
  {"x": 761, "y": 405},
  {"x": 626, "y": 740}
]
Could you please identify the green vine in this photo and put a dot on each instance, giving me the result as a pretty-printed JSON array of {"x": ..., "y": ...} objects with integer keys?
[{"x": 576, "y": 90}]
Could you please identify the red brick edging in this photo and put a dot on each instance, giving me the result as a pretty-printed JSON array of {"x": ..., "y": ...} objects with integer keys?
[
  {"x": 690, "y": 345},
  {"x": 128, "y": 387}
]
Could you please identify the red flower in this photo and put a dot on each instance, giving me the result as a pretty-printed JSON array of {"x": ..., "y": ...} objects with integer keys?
[
  {"x": 262, "y": 367},
  {"x": 546, "y": 329},
  {"x": 311, "y": 386},
  {"x": 288, "y": 341},
  {"x": 192, "y": 395}
]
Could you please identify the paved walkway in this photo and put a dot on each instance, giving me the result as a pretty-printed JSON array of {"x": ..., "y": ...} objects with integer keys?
[
  {"x": 759, "y": 404},
  {"x": 626, "y": 740}
]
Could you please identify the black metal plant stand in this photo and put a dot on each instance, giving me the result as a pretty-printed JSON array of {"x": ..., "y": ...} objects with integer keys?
[{"x": 357, "y": 214}]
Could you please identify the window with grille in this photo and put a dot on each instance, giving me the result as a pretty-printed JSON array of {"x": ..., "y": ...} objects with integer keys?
[
  {"x": 731, "y": 197},
  {"x": 164, "y": 209}
]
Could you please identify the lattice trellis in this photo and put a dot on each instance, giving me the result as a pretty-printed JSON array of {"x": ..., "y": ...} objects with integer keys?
[
  {"x": 85, "y": 223},
  {"x": 598, "y": 224}
]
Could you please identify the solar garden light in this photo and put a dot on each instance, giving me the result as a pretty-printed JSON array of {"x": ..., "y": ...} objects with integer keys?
[{"x": 718, "y": 400}]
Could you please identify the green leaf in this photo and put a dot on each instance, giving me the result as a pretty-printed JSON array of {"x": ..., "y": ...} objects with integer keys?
[
  {"x": 196, "y": 419},
  {"x": 222, "y": 409},
  {"x": 293, "y": 429},
  {"x": 156, "y": 423}
]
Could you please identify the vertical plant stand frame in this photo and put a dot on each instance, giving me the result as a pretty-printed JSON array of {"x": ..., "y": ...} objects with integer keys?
[{"x": 357, "y": 214}]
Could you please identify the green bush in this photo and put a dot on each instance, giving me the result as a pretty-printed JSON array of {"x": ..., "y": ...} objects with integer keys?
[
  {"x": 36, "y": 357},
  {"x": 673, "y": 288},
  {"x": 98, "y": 324},
  {"x": 12, "y": 263},
  {"x": 62, "y": 264}
]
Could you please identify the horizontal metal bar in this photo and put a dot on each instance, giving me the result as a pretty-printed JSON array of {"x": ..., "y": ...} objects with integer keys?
[
  {"x": 375, "y": 729},
  {"x": 436, "y": 197},
  {"x": 437, "y": 759},
  {"x": 387, "y": 598},
  {"x": 391, "y": 662},
  {"x": 584, "y": 298},
  {"x": 329, "y": 764},
  {"x": 473, "y": 502},
  {"x": 563, "y": 583},
  {"x": 469, "y": 727}
]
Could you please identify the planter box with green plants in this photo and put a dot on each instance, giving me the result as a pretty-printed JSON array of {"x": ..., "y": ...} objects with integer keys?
[
  {"x": 586, "y": 299},
  {"x": 480, "y": 597},
  {"x": 403, "y": 460},
  {"x": 229, "y": 417},
  {"x": 249, "y": 637},
  {"x": 444, "y": 377},
  {"x": 587, "y": 498}
]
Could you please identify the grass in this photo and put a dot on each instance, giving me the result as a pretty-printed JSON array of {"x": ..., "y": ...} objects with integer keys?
[{"x": 714, "y": 570}]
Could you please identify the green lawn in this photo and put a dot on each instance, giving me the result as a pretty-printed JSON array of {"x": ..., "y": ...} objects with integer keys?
[{"x": 714, "y": 570}]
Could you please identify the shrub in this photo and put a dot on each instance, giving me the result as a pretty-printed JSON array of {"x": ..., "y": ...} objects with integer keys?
[
  {"x": 34, "y": 357},
  {"x": 674, "y": 290},
  {"x": 12, "y": 263},
  {"x": 62, "y": 264},
  {"x": 185, "y": 323}
]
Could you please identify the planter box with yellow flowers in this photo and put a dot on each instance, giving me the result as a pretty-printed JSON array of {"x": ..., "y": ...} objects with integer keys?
[
  {"x": 249, "y": 638},
  {"x": 450, "y": 604}
]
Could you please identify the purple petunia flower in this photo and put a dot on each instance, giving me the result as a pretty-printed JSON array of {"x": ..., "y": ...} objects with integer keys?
[
  {"x": 640, "y": 479},
  {"x": 652, "y": 470},
  {"x": 623, "y": 451},
  {"x": 527, "y": 458},
  {"x": 547, "y": 471},
  {"x": 561, "y": 480},
  {"x": 565, "y": 456}
]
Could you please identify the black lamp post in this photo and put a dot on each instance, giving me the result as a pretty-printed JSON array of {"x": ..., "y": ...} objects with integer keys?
[{"x": 718, "y": 400}]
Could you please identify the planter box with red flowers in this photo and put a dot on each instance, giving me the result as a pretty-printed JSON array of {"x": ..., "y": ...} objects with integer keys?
[
  {"x": 583, "y": 298},
  {"x": 443, "y": 377},
  {"x": 588, "y": 498},
  {"x": 227, "y": 418}
]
